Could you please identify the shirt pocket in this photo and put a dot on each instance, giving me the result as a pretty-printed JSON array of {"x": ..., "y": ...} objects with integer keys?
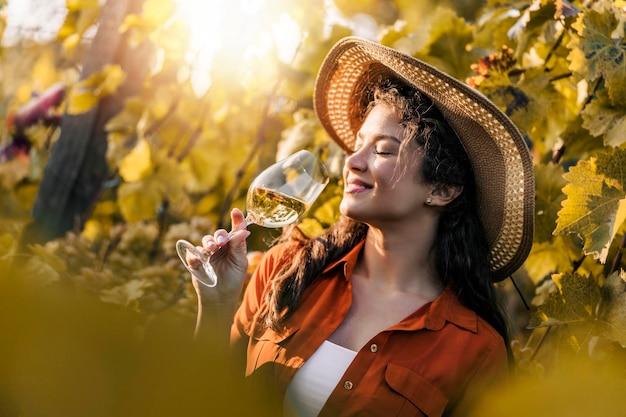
[
  {"x": 421, "y": 397},
  {"x": 267, "y": 347}
]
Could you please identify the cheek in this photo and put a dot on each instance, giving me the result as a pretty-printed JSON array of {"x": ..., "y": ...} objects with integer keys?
[{"x": 386, "y": 175}]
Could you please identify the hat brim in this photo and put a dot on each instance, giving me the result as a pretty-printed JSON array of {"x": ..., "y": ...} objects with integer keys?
[{"x": 500, "y": 158}]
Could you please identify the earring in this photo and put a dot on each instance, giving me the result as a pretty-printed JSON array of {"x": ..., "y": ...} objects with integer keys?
[{"x": 429, "y": 200}]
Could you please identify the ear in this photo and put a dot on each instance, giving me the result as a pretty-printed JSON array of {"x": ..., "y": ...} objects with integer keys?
[{"x": 443, "y": 194}]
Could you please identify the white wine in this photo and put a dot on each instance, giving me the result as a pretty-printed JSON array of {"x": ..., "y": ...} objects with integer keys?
[{"x": 269, "y": 208}]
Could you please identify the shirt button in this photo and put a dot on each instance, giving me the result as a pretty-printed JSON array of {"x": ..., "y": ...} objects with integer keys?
[
  {"x": 348, "y": 385},
  {"x": 374, "y": 348}
]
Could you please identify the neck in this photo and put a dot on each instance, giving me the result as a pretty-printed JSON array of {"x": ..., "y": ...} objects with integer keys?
[{"x": 400, "y": 260}]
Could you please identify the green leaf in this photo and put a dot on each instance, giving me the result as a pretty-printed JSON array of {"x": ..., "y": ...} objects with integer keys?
[
  {"x": 137, "y": 164},
  {"x": 328, "y": 212},
  {"x": 604, "y": 120},
  {"x": 600, "y": 49},
  {"x": 449, "y": 47},
  {"x": 139, "y": 200},
  {"x": 86, "y": 93},
  {"x": 81, "y": 101},
  {"x": 595, "y": 207},
  {"x": 548, "y": 191},
  {"x": 125, "y": 293},
  {"x": 154, "y": 14},
  {"x": 128, "y": 118},
  {"x": 614, "y": 311},
  {"x": 572, "y": 307},
  {"x": 550, "y": 257}
]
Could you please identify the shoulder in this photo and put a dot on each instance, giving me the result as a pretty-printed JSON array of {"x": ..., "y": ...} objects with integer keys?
[{"x": 473, "y": 335}]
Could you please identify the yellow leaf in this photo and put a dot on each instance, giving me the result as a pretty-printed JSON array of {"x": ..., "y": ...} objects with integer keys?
[
  {"x": 158, "y": 12},
  {"x": 311, "y": 227},
  {"x": 86, "y": 93},
  {"x": 127, "y": 118},
  {"x": 328, "y": 212},
  {"x": 92, "y": 230},
  {"x": 125, "y": 293},
  {"x": 139, "y": 200},
  {"x": 44, "y": 71},
  {"x": 81, "y": 101},
  {"x": 87, "y": 18},
  {"x": 76, "y": 5},
  {"x": 23, "y": 93},
  {"x": 204, "y": 169},
  {"x": 114, "y": 76},
  {"x": 70, "y": 43},
  {"x": 137, "y": 164},
  {"x": 69, "y": 25}
]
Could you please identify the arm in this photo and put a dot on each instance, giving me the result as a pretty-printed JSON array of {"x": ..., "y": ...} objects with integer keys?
[{"x": 216, "y": 305}]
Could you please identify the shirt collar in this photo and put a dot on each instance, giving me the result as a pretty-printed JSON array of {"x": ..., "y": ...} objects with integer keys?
[
  {"x": 432, "y": 316},
  {"x": 348, "y": 261},
  {"x": 448, "y": 308}
]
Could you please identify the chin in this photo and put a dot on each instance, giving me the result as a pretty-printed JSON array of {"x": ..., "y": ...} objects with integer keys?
[{"x": 351, "y": 212}]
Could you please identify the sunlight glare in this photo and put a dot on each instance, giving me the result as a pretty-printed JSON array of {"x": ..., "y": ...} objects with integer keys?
[{"x": 215, "y": 25}]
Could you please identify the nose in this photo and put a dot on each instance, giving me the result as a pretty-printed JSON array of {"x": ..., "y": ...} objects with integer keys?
[{"x": 356, "y": 160}]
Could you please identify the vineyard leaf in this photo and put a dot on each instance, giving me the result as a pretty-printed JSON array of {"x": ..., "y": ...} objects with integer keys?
[
  {"x": 203, "y": 167},
  {"x": 383, "y": 10},
  {"x": 81, "y": 102},
  {"x": 549, "y": 183},
  {"x": 86, "y": 93},
  {"x": 154, "y": 14},
  {"x": 578, "y": 142},
  {"x": 137, "y": 164},
  {"x": 299, "y": 136},
  {"x": 448, "y": 48},
  {"x": 536, "y": 84},
  {"x": 610, "y": 122},
  {"x": 549, "y": 257},
  {"x": 597, "y": 53},
  {"x": 125, "y": 293},
  {"x": 576, "y": 300},
  {"x": 327, "y": 213},
  {"x": 614, "y": 300},
  {"x": 139, "y": 200},
  {"x": 595, "y": 206},
  {"x": 572, "y": 307},
  {"x": 45, "y": 256},
  {"x": 128, "y": 118},
  {"x": 310, "y": 227},
  {"x": 108, "y": 80}
]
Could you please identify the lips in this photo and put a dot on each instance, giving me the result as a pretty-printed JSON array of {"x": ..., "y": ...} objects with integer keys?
[{"x": 356, "y": 186}]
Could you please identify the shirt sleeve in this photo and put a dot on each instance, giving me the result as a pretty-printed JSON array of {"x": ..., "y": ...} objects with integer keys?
[
  {"x": 254, "y": 299},
  {"x": 490, "y": 373}
]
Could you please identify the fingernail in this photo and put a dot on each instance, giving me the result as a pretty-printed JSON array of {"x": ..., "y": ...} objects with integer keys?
[{"x": 221, "y": 239}]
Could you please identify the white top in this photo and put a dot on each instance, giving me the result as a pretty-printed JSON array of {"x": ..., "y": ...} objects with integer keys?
[{"x": 316, "y": 379}]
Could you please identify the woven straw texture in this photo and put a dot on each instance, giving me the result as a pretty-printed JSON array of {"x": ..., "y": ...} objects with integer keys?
[{"x": 500, "y": 158}]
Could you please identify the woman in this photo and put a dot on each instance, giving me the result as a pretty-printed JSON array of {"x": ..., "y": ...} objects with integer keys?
[{"x": 392, "y": 312}]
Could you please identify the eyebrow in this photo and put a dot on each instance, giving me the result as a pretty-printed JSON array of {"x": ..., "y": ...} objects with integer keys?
[{"x": 382, "y": 137}]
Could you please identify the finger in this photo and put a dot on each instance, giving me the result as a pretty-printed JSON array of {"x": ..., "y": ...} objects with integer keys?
[
  {"x": 238, "y": 220},
  {"x": 208, "y": 240},
  {"x": 193, "y": 261},
  {"x": 221, "y": 237}
]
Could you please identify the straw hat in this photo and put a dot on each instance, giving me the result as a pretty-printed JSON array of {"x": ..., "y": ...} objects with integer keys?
[{"x": 500, "y": 159}]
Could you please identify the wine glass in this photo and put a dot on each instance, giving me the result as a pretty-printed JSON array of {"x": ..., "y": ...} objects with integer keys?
[{"x": 278, "y": 196}]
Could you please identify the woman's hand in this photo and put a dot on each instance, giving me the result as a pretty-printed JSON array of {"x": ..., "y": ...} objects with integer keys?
[{"x": 228, "y": 257}]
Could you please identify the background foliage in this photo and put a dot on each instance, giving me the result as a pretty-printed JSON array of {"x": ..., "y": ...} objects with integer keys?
[{"x": 180, "y": 156}]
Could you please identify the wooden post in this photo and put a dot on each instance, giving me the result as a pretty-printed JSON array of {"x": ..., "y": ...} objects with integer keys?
[{"x": 77, "y": 167}]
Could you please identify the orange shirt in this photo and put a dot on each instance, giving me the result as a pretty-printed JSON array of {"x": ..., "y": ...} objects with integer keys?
[{"x": 432, "y": 363}]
